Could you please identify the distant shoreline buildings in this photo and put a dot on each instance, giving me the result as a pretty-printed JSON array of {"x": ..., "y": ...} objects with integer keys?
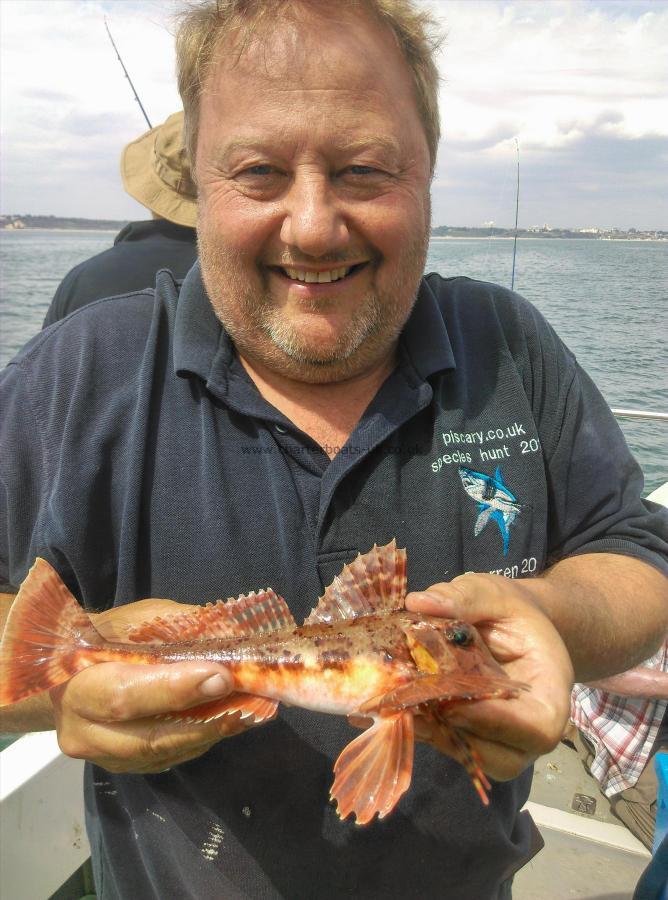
[
  {"x": 487, "y": 230},
  {"x": 490, "y": 230}
]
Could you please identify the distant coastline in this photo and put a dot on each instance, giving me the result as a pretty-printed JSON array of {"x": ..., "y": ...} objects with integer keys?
[
  {"x": 440, "y": 232},
  {"x": 598, "y": 234},
  {"x": 59, "y": 223}
]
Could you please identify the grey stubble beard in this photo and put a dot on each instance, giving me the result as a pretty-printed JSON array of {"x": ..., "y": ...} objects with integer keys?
[{"x": 376, "y": 324}]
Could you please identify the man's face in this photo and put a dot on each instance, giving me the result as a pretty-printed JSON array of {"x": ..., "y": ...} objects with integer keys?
[{"x": 313, "y": 179}]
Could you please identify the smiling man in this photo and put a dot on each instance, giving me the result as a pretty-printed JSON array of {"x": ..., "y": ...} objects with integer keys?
[
  {"x": 304, "y": 394},
  {"x": 314, "y": 209}
]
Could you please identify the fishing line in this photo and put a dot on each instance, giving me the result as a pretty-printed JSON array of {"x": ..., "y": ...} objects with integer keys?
[
  {"x": 148, "y": 122},
  {"x": 488, "y": 270},
  {"x": 517, "y": 208}
]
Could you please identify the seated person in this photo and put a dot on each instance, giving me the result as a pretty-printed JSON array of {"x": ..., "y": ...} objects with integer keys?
[{"x": 619, "y": 723}]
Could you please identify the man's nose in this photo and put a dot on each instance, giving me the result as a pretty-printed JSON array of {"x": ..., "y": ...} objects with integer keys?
[{"x": 313, "y": 221}]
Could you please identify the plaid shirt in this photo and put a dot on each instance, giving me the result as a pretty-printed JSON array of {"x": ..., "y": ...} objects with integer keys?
[{"x": 622, "y": 729}]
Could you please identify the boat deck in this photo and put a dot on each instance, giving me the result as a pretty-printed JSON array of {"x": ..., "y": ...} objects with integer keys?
[{"x": 588, "y": 853}]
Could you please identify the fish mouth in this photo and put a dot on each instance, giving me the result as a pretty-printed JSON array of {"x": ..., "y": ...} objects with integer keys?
[{"x": 299, "y": 275}]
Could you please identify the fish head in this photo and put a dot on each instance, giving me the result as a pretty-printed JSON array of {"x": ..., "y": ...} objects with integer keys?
[
  {"x": 439, "y": 645},
  {"x": 472, "y": 482}
]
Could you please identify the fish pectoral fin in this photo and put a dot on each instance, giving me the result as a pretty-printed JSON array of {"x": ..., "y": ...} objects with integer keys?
[
  {"x": 255, "y": 613},
  {"x": 373, "y": 583},
  {"x": 375, "y": 769},
  {"x": 249, "y": 706},
  {"x": 444, "y": 686}
]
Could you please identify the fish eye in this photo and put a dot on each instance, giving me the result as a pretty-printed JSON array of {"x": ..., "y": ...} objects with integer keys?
[{"x": 459, "y": 635}]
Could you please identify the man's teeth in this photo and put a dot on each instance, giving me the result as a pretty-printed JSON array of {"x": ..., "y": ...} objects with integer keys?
[{"x": 317, "y": 277}]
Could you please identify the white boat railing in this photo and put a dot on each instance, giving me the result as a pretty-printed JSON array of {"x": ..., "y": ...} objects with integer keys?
[{"x": 647, "y": 414}]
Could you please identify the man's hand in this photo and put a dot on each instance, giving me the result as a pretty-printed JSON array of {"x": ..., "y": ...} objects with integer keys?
[
  {"x": 106, "y": 713},
  {"x": 508, "y": 735}
]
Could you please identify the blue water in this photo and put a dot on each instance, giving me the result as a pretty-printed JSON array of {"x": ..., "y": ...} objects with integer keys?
[{"x": 607, "y": 299}]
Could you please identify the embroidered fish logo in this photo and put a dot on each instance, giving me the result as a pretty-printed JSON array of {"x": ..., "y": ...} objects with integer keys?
[{"x": 495, "y": 501}]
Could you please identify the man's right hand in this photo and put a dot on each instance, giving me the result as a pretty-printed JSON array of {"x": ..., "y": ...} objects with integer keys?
[{"x": 106, "y": 714}]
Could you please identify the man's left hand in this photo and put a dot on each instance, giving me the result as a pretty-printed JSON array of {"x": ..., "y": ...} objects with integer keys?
[{"x": 508, "y": 735}]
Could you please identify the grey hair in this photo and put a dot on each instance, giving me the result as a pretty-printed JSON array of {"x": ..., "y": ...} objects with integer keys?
[{"x": 204, "y": 25}]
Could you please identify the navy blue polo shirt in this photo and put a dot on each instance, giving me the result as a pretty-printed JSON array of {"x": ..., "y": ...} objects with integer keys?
[{"x": 140, "y": 460}]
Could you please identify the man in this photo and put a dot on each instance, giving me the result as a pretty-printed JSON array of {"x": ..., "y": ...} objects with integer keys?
[
  {"x": 156, "y": 172},
  {"x": 618, "y": 725},
  {"x": 304, "y": 395}
]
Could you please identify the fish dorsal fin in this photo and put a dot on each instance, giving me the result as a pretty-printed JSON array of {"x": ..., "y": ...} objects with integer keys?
[
  {"x": 374, "y": 582},
  {"x": 254, "y": 613},
  {"x": 499, "y": 477}
]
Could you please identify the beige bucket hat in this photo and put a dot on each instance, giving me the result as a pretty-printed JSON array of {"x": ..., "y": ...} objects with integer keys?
[{"x": 156, "y": 172}]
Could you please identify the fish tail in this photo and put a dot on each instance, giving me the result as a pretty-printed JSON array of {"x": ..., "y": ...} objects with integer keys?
[{"x": 48, "y": 637}]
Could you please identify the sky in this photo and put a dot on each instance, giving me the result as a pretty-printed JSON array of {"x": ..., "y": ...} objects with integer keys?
[{"x": 580, "y": 85}]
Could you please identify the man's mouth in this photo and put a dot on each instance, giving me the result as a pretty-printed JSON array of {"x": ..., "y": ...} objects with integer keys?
[{"x": 322, "y": 276}]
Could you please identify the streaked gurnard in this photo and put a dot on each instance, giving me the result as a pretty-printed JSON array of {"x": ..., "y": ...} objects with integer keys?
[{"x": 359, "y": 653}]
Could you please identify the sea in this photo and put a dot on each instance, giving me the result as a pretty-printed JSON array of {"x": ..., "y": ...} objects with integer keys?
[{"x": 607, "y": 299}]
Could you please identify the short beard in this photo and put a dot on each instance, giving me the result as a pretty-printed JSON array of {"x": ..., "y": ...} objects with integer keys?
[
  {"x": 260, "y": 332},
  {"x": 364, "y": 325}
]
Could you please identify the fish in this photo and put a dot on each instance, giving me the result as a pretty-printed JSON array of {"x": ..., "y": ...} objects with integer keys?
[
  {"x": 359, "y": 653},
  {"x": 495, "y": 501}
]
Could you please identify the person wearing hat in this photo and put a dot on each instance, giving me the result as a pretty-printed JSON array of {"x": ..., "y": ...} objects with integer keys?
[{"x": 156, "y": 172}]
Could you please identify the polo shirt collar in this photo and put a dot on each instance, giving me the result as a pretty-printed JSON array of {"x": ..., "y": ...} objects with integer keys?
[
  {"x": 203, "y": 347},
  {"x": 425, "y": 340},
  {"x": 201, "y": 344}
]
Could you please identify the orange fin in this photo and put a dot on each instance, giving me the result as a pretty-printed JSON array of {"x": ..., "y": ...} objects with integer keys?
[
  {"x": 445, "y": 687},
  {"x": 471, "y": 762},
  {"x": 46, "y": 637},
  {"x": 248, "y": 705},
  {"x": 372, "y": 583},
  {"x": 254, "y": 613},
  {"x": 455, "y": 744},
  {"x": 375, "y": 769}
]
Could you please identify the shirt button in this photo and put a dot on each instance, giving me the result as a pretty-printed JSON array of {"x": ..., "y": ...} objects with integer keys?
[{"x": 281, "y": 430}]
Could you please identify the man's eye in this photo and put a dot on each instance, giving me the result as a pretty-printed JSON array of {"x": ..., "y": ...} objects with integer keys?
[
  {"x": 261, "y": 169},
  {"x": 362, "y": 170}
]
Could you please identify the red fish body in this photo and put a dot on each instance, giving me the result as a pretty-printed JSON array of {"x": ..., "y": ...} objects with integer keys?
[{"x": 358, "y": 653}]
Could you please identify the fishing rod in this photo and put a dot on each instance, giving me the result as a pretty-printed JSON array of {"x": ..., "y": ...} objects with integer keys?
[
  {"x": 126, "y": 74},
  {"x": 517, "y": 208}
]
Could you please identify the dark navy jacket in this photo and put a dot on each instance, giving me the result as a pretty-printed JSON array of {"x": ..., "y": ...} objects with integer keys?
[
  {"x": 139, "y": 459},
  {"x": 140, "y": 250}
]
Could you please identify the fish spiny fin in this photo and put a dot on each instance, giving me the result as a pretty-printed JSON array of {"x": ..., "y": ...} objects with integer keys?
[
  {"x": 45, "y": 638},
  {"x": 446, "y": 687},
  {"x": 375, "y": 769},
  {"x": 373, "y": 583},
  {"x": 253, "y": 613},
  {"x": 247, "y": 706}
]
